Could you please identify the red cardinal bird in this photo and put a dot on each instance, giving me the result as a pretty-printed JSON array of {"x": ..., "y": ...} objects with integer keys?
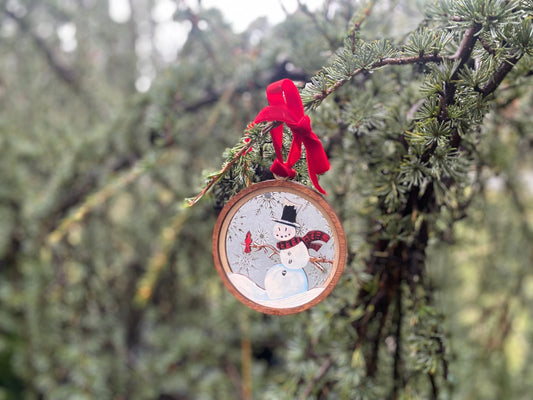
[{"x": 248, "y": 242}]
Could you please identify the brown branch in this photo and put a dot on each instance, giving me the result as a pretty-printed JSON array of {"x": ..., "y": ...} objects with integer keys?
[
  {"x": 487, "y": 47},
  {"x": 316, "y": 260},
  {"x": 426, "y": 58},
  {"x": 399, "y": 381},
  {"x": 462, "y": 55},
  {"x": 505, "y": 67},
  {"x": 233, "y": 373},
  {"x": 434, "y": 387},
  {"x": 320, "y": 373},
  {"x": 467, "y": 43}
]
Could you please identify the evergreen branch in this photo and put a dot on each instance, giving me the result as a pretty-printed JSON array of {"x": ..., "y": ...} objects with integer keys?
[
  {"x": 467, "y": 44},
  {"x": 462, "y": 55},
  {"x": 446, "y": 87},
  {"x": 501, "y": 72},
  {"x": 359, "y": 22},
  {"x": 422, "y": 59},
  {"x": 102, "y": 195},
  {"x": 159, "y": 260},
  {"x": 487, "y": 47},
  {"x": 214, "y": 178}
]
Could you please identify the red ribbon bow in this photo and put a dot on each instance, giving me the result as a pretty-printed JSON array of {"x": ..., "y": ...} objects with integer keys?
[{"x": 286, "y": 106}]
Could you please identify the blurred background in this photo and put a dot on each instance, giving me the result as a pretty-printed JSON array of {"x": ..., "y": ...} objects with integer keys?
[{"x": 113, "y": 112}]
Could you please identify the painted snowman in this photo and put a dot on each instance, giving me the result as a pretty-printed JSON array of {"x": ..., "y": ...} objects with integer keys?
[{"x": 289, "y": 278}]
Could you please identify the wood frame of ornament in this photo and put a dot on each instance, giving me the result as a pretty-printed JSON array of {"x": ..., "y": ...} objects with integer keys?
[{"x": 236, "y": 202}]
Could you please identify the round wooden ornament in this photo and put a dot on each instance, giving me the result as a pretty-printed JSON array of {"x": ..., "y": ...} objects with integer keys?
[{"x": 279, "y": 247}]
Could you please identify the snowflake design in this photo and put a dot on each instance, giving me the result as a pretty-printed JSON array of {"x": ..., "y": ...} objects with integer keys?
[
  {"x": 236, "y": 229},
  {"x": 269, "y": 200},
  {"x": 262, "y": 235},
  {"x": 303, "y": 229},
  {"x": 245, "y": 264}
]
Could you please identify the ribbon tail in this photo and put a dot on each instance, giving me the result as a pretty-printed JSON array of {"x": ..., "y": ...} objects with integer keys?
[
  {"x": 295, "y": 151},
  {"x": 274, "y": 113},
  {"x": 316, "y": 154},
  {"x": 284, "y": 169},
  {"x": 317, "y": 160},
  {"x": 314, "y": 180},
  {"x": 277, "y": 141}
]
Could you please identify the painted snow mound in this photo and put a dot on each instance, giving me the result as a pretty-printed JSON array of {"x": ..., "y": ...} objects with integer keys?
[{"x": 257, "y": 294}]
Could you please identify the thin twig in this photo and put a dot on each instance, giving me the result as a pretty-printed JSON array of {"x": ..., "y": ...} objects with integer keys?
[
  {"x": 265, "y": 246},
  {"x": 467, "y": 43},
  {"x": 426, "y": 58},
  {"x": 313, "y": 260},
  {"x": 316, "y": 260},
  {"x": 358, "y": 23},
  {"x": 229, "y": 164},
  {"x": 462, "y": 54}
]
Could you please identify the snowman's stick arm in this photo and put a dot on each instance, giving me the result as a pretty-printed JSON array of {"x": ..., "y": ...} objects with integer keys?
[
  {"x": 264, "y": 247},
  {"x": 316, "y": 260}
]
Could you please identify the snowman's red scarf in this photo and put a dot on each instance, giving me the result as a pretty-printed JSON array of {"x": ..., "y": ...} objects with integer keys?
[{"x": 310, "y": 237}]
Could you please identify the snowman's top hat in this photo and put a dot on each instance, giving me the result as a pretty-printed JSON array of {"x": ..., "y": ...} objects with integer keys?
[{"x": 288, "y": 217}]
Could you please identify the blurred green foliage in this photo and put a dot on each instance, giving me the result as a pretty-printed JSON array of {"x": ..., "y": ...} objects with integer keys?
[{"x": 107, "y": 285}]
